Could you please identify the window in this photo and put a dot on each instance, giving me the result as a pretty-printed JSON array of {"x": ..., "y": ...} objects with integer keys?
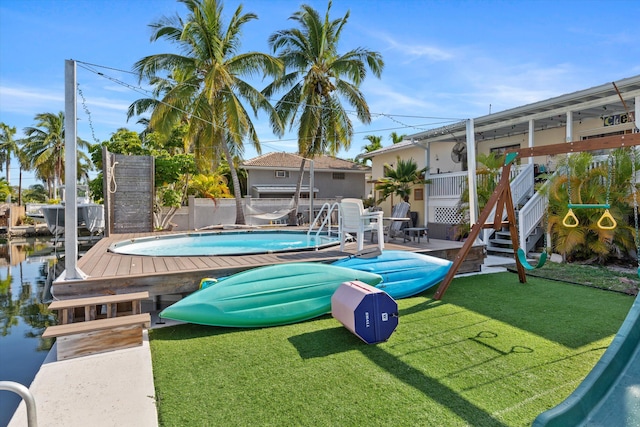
[
  {"x": 501, "y": 150},
  {"x": 418, "y": 194},
  {"x": 282, "y": 174},
  {"x": 338, "y": 175}
]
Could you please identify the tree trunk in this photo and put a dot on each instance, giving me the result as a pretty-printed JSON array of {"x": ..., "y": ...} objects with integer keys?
[
  {"x": 20, "y": 187},
  {"x": 293, "y": 216},
  {"x": 236, "y": 186}
]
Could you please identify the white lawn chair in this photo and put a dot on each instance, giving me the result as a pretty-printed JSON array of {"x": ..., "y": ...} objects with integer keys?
[{"x": 354, "y": 219}]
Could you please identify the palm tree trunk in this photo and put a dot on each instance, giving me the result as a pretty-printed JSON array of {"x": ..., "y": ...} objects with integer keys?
[
  {"x": 293, "y": 216},
  {"x": 236, "y": 186},
  {"x": 20, "y": 187}
]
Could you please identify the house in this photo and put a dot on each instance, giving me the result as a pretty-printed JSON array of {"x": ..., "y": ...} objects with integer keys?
[
  {"x": 449, "y": 152},
  {"x": 275, "y": 175}
]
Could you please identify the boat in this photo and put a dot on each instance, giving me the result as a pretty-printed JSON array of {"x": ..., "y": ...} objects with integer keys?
[
  {"x": 404, "y": 274},
  {"x": 267, "y": 296},
  {"x": 90, "y": 215}
]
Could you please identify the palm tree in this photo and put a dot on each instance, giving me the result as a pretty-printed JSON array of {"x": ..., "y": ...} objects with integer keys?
[
  {"x": 395, "y": 138},
  {"x": 593, "y": 185},
  {"x": 316, "y": 80},
  {"x": 44, "y": 146},
  {"x": 206, "y": 88},
  {"x": 401, "y": 180},
  {"x": 8, "y": 146}
]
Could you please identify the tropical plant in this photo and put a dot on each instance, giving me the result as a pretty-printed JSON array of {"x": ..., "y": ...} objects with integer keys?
[
  {"x": 317, "y": 79},
  {"x": 584, "y": 183},
  {"x": 212, "y": 186},
  {"x": 206, "y": 87},
  {"x": 395, "y": 138},
  {"x": 8, "y": 146},
  {"x": 5, "y": 190},
  {"x": 401, "y": 180},
  {"x": 375, "y": 143},
  {"x": 44, "y": 146},
  {"x": 35, "y": 194}
]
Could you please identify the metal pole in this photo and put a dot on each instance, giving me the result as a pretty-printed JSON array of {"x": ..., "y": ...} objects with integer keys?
[
  {"x": 70, "y": 175},
  {"x": 311, "y": 189},
  {"x": 471, "y": 172}
]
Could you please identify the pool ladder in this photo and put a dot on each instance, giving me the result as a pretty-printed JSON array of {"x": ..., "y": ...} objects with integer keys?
[
  {"x": 324, "y": 221},
  {"x": 26, "y": 396}
]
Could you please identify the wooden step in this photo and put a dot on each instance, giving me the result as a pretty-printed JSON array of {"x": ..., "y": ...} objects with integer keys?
[{"x": 98, "y": 336}]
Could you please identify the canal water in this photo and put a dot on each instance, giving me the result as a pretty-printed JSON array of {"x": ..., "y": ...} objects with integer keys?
[{"x": 24, "y": 295}]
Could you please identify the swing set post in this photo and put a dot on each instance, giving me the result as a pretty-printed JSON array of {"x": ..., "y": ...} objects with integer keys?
[{"x": 499, "y": 198}]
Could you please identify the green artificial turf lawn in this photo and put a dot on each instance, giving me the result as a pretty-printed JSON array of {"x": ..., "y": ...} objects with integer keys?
[{"x": 493, "y": 352}]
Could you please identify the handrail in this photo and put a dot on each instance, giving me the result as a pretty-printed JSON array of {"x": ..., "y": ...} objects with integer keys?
[
  {"x": 26, "y": 395},
  {"x": 326, "y": 221}
]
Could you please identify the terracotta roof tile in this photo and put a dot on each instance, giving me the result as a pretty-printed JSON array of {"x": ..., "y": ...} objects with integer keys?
[{"x": 292, "y": 161}]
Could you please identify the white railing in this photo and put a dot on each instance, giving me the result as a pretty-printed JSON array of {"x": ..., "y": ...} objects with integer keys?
[
  {"x": 447, "y": 184},
  {"x": 531, "y": 214},
  {"x": 324, "y": 220}
]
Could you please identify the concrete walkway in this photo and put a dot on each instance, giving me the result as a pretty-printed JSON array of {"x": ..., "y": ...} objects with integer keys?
[
  {"x": 108, "y": 389},
  {"x": 114, "y": 388}
]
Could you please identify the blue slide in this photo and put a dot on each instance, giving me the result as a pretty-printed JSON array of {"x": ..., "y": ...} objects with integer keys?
[{"x": 610, "y": 394}]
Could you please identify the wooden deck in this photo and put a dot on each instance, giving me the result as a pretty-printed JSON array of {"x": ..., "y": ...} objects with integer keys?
[{"x": 110, "y": 273}]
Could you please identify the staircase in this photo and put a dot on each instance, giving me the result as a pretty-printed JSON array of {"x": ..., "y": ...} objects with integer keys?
[
  {"x": 530, "y": 214},
  {"x": 501, "y": 241}
]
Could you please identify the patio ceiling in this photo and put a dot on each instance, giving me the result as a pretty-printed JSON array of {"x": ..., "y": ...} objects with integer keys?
[{"x": 597, "y": 102}]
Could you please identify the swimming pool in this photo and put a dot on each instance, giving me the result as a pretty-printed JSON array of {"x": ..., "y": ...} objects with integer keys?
[{"x": 223, "y": 243}]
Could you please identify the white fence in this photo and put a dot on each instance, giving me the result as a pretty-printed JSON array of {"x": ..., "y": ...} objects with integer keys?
[{"x": 202, "y": 212}]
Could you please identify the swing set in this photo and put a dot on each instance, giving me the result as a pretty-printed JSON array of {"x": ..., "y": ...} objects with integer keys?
[
  {"x": 570, "y": 220},
  {"x": 501, "y": 199}
]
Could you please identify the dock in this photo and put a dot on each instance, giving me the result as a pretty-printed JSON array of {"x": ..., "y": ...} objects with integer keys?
[{"x": 110, "y": 273}]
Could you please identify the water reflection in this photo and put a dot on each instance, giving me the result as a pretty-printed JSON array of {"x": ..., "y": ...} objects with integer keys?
[{"x": 24, "y": 295}]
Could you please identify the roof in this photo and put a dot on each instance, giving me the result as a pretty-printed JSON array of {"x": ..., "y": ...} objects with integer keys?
[
  {"x": 288, "y": 161},
  {"x": 599, "y": 101}
]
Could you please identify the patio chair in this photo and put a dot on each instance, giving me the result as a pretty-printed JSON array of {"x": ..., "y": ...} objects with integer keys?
[
  {"x": 355, "y": 219},
  {"x": 399, "y": 217}
]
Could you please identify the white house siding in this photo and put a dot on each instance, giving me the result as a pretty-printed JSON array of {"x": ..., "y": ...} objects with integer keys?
[{"x": 418, "y": 154}]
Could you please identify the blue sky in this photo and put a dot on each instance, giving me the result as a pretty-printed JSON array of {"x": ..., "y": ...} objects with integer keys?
[{"x": 444, "y": 60}]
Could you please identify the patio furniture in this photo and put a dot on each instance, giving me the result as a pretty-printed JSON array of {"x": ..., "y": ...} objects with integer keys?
[
  {"x": 399, "y": 216},
  {"x": 411, "y": 233},
  {"x": 355, "y": 219}
]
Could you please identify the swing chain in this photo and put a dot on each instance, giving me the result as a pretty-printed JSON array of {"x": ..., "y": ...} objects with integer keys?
[
  {"x": 610, "y": 165},
  {"x": 635, "y": 201}
]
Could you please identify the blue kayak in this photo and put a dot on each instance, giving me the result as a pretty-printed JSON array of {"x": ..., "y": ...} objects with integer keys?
[
  {"x": 267, "y": 296},
  {"x": 404, "y": 274}
]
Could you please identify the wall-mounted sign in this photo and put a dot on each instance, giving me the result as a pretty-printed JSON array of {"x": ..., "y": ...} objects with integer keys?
[{"x": 616, "y": 119}]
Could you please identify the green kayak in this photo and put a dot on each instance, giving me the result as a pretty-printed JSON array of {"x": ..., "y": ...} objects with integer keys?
[{"x": 267, "y": 296}]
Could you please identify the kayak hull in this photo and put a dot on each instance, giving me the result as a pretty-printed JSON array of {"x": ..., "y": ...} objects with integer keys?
[
  {"x": 404, "y": 274},
  {"x": 267, "y": 296}
]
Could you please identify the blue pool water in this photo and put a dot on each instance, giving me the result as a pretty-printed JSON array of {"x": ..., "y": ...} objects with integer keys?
[
  {"x": 223, "y": 243},
  {"x": 23, "y": 318}
]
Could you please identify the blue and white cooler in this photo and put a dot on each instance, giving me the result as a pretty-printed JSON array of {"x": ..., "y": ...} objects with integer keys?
[{"x": 370, "y": 313}]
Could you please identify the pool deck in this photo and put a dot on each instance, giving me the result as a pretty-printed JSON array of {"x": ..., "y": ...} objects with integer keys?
[{"x": 109, "y": 273}]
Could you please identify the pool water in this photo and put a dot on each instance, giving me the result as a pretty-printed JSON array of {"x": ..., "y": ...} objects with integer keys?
[
  {"x": 223, "y": 243},
  {"x": 23, "y": 318}
]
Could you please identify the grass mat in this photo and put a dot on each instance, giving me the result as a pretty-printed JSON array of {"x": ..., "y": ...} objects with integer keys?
[
  {"x": 603, "y": 277},
  {"x": 494, "y": 352}
]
